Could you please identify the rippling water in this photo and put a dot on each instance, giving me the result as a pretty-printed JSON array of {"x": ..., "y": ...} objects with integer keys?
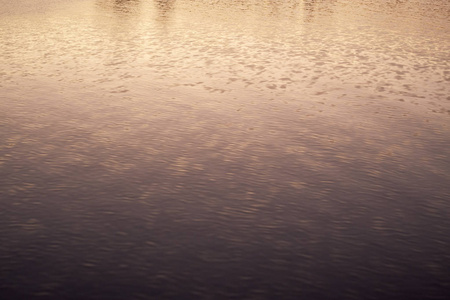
[{"x": 200, "y": 149}]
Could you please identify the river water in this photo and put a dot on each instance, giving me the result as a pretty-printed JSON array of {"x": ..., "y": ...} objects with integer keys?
[{"x": 246, "y": 149}]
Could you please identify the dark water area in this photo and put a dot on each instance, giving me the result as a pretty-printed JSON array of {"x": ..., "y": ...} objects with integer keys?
[{"x": 196, "y": 149}]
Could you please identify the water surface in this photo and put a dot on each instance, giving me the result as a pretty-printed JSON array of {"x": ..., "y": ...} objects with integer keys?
[{"x": 195, "y": 149}]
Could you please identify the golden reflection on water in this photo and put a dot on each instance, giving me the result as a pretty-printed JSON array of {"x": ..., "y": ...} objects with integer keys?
[{"x": 265, "y": 66}]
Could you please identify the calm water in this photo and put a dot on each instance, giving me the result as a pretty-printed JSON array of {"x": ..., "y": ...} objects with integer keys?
[{"x": 235, "y": 149}]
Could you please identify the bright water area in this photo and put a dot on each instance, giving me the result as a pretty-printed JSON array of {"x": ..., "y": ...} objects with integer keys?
[{"x": 235, "y": 149}]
